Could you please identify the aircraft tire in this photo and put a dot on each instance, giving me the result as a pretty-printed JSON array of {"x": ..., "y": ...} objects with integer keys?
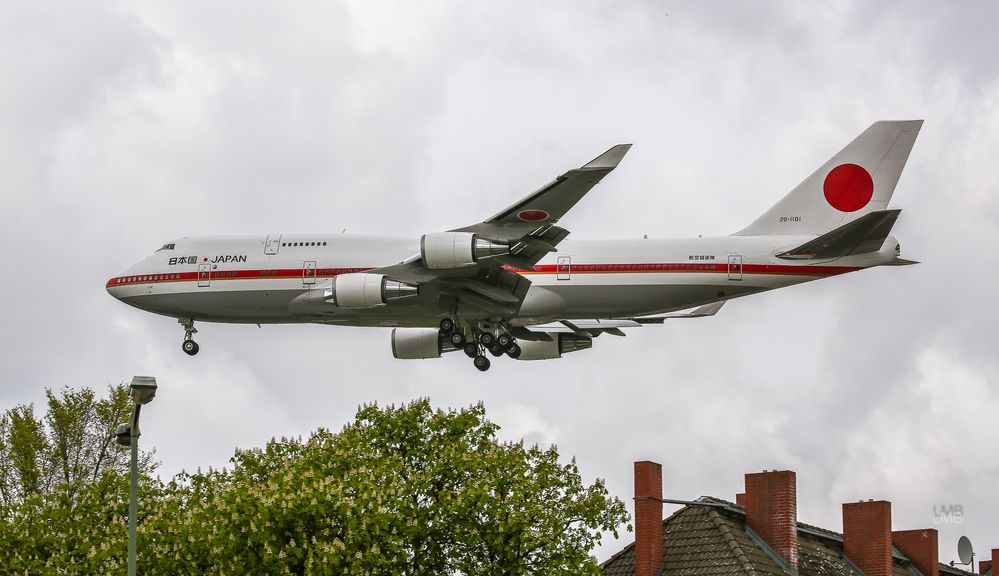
[
  {"x": 447, "y": 325},
  {"x": 471, "y": 349},
  {"x": 495, "y": 350},
  {"x": 487, "y": 339},
  {"x": 504, "y": 340},
  {"x": 457, "y": 339},
  {"x": 482, "y": 363},
  {"x": 190, "y": 347},
  {"x": 513, "y": 351}
]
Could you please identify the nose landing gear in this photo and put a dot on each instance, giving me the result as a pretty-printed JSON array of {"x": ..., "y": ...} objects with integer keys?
[{"x": 189, "y": 346}]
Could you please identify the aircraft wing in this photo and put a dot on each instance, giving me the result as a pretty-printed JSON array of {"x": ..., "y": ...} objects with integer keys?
[
  {"x": 527, "y": 228},
  {"x": 531, "y": 221}
]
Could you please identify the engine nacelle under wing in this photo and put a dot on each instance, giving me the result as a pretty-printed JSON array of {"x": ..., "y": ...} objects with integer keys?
[
  {"x": 416, "y": 343},
  {"x": 442, "y": 250},
  {"x": 558, "y": 345},
  {"x": 366, "y": 290}
]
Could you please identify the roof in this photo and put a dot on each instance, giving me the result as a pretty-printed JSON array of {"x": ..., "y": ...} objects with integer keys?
[{"x": 712, "y": 539}]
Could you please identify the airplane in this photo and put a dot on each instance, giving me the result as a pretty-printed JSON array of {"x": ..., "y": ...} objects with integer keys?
[{"x": 512, "y": 285}]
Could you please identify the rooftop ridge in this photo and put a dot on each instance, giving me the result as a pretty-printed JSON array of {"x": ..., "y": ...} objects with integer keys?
[{"x": 733, "y": 545}]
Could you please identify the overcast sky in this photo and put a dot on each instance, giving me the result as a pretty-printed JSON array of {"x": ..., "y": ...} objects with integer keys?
[{"x": 124, "y": 125}]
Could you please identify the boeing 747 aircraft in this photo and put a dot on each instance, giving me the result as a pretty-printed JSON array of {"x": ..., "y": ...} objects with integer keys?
[{"x": 512, "y": 284}]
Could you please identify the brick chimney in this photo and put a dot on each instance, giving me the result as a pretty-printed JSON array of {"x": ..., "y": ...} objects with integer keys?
[
  {"x": 921, "y": 547},
  {"x": 648, "y": 518},
  {"x": 867, "y": 536},
  {"x": 740, "y": 499},
  {"x": 984, "y": 566},
  {"x": 771, "y": 507}
]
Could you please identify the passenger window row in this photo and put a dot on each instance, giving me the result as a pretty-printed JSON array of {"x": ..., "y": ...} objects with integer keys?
[
  {"x": 149, "y": 278},
  {"x": 294, "y": 244},
  {"x": 637, "y": 267}
]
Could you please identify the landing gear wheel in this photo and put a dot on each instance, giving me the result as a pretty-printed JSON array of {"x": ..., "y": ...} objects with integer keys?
[
  {"x": 513, "y": 351},
  {"x": 447, "y": 325},
  {"x": 504, "y": 340},
  {"x": 482, "y": 363},
  {"x": 495, "y": 350},
  {"x": 487, "y": 339},
  {"x": 471, "y": 349},
  {"x": 190, "y": 347},
  {"x": 457, "y": 340}
]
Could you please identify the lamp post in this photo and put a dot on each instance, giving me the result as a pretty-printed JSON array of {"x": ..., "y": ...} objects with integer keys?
[{"x": 142, "y": 390}]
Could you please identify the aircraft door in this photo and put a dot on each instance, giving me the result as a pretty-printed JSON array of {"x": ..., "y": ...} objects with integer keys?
[
  {"x": 564, "y": 268},
  {"x": 204, "y": 275},
  {"x": 308, "y": 272},
  {"x": 273, "y": 244},
  {"x": 735, "y": 267}
]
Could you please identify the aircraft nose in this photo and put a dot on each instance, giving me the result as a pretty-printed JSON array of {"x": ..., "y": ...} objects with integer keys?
[
  {"x": 115, "y": 284},
  {"x": 112, "y": 286}
]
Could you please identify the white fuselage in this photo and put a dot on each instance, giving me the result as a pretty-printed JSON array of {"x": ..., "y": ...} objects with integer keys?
[{"x": 280, "y": 279}]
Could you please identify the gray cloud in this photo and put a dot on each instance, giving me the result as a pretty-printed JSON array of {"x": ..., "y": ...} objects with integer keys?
[{"x": 126, "y": 125}]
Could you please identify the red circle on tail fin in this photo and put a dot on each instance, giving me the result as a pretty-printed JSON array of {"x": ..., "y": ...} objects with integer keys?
[
  {"x": 848, "y": 187},
  {"x": 533, "y": 215}
]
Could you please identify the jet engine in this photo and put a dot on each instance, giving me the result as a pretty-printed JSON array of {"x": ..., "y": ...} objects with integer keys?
[
  {"x": 366, "y": 290},
  {"x": 548, "y": 349},
  {"x": 418, "y": 343},
  {"x": 457, "y": 249}
]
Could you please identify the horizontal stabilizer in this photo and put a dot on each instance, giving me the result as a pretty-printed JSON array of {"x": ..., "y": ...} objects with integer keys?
[
  {"x": 901, "y": 262},
  {"x": 863, "y": 235}
]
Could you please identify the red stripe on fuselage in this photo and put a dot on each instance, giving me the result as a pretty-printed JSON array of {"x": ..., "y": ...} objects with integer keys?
[{"x": 665, "y": 268}]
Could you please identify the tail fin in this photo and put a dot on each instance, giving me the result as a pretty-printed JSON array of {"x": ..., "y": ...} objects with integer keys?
[{"x": 858, "y": 180}]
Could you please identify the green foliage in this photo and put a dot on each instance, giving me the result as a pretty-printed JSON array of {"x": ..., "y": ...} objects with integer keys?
[
  {"x": 73, "y": 444},
  {"x": 72, "y": 530},
  {"x": 401, "y": 490}
]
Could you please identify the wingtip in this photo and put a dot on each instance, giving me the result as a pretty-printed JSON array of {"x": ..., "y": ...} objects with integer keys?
[
  {"x": 904, "y": 125},
  {"x": 609, "y": 159}
]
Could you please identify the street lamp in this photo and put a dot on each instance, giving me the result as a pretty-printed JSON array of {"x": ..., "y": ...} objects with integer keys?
[{"x": 142, "y": 390}]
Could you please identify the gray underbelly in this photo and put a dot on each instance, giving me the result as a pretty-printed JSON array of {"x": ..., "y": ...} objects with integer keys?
[
  {"x": 272, "y": 307},
  {"x": 543, "y": 304},
  {"x": 581, "y": 302}
]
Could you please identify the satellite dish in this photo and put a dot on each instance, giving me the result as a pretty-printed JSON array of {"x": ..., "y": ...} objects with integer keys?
[{"x": 964, "y": 550}]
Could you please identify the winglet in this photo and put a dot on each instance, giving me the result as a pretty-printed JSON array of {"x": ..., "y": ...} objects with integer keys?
[
  {"x": 609, "y": 159},
  {"x": 706, "y": 310}
]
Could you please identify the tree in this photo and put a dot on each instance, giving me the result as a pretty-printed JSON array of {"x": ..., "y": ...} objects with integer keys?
[
  {"x": 405, "y": 490},
  {"x": 400, "y": 490},
  {"x": 73, "y": 444}
]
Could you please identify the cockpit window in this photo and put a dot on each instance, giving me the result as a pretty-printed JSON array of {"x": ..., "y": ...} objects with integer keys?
[{"x": 167, "y": 247}]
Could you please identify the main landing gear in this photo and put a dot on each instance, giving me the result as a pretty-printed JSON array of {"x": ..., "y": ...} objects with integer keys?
[
  {"x": 482, "y": 341},
  {"x": 190, "y": 347}
]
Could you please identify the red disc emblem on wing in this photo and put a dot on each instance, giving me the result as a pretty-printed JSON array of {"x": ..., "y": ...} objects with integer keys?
[
  {"x": 848, "y": 187},
  {"x": 532, "y": 215}
]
